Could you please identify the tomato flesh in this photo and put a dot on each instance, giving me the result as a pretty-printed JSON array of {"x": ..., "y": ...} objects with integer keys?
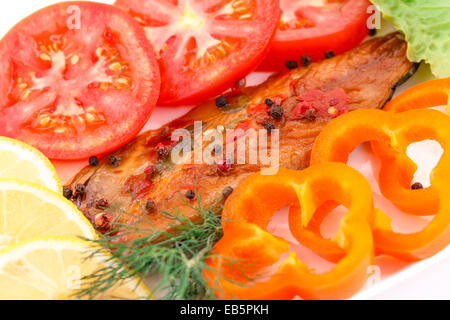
[
  {"x": 76, "y": 88},
  {"x": 313, "y": 27},
  {"x": 204, "y": 46}
]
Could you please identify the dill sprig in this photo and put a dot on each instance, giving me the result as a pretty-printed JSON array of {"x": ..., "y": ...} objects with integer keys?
[{"x": 177, "y": 259}]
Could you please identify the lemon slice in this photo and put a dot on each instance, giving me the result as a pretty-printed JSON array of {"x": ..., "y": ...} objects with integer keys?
[
  {"x": 53, "y": 268},
  {"x": 23, "y": 162},
  {"x": 29, "y": 211}
]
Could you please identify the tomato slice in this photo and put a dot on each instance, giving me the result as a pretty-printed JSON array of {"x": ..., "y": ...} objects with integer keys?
[
  {"x": 76, "y": 79},
  {"x": 204, "y": 46},
  {"x": 313, "y": 27}
]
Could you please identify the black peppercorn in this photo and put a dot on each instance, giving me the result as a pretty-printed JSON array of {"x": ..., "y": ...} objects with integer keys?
[
  {"x": 417, "y": 186},
  {"x": 190, "y": 194},
  {"x": 163, "y": 152},
  {"x": 306, "y": 60},
  {"x": 311, "y": 114},
  {"x": 67, "y": 193},
  {"x": 114, "y": 161},
  {"x": 227, "y": 192},
  {"x": 93, "y": 161},
  {"x": 80, "y": 189},
  {"x": 269, "y": 126},
  {"x": 290, "y": 64},
  {"x": 372, "y": 32},
  {"x": 268, "y": 102},
  {"x": 221, "y": 102},
  {"x": 329, "y": 54},
  {"x": 101, "y": 204},
  {"x": 150, "y": 206},
  {"x": 276, "y": 111}
]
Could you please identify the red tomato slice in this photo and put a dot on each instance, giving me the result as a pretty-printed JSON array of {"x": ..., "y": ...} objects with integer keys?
[
  {"x": 76, "y": 79},
  {"x": 204, "y": 46},
  {"x": 313, "y": 27}
]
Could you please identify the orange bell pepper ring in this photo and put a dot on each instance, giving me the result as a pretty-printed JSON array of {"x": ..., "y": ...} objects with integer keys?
[
  {"x": 395, "y": 178},
  {"x": 247, "y": 214},
  {"x": 345, "y": 133}
]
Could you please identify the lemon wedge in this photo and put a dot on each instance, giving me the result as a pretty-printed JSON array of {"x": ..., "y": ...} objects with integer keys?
[
  {"x": 54, "y": 268},
  {"x": 23, "y": 162},
  {"x": 29, "y": 211}
]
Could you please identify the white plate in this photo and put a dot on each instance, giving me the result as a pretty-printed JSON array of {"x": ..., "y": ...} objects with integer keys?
[{"x": 428, "y": 279}]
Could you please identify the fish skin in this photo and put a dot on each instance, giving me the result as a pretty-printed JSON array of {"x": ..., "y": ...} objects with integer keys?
[{"x": 368, "y": 74}]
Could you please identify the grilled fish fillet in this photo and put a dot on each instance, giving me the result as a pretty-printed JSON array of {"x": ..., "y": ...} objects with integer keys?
[{"x": 141, "y": 172}]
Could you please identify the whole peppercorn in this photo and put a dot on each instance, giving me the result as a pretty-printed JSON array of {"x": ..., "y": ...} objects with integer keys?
[
  {"x": 417, "y": 186},
  {"x": 93, "y": 161},
  {"x": 290, "y": 64},
  {"x": 227, "y": 192},
  {"x": 329, "y": 54},
  {"x": 311, "y": 114},
  {"x": 150, "y": 206},
  {"x": 80, "y": 189},
  {"x": 276, "y": 111},
  {"x": 221, "y": 102},
  {"x": 114, "y": 161},
  {"x": 102, "y": 221},
  {"x": 190, "y": 195},
  {"x": 372, "y": 32},
  {"x": 306, "y": 60},
  {"x": 101, "y": 204},
  {"x": 162, "y": 151},
  {"x": 269, "y": 126},
  {"x": 268, "y": 102},
  {"x": 67, "y": 193}
]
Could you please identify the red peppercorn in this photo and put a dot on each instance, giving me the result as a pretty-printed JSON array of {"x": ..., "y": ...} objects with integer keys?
[{"x": 102, "y": 220}]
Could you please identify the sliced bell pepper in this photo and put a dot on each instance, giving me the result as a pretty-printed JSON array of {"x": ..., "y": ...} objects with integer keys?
[
  {"x": 251, "y": 263},
  {"x": 395, "y": 178},
  {"x": 345, "y": 133}
]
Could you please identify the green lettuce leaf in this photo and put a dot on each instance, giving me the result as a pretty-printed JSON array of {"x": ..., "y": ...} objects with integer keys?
[{"x": 426, "y": 25}]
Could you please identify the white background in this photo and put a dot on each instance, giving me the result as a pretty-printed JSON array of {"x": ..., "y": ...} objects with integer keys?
[{"x": 428, "y": 279}]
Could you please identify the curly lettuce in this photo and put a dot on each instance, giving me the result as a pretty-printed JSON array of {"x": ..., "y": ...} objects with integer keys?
[{"x": 426, "y": 25}]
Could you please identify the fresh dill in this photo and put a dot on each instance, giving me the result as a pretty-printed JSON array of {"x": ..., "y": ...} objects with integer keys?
[{"x": 177, "y": 259}]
